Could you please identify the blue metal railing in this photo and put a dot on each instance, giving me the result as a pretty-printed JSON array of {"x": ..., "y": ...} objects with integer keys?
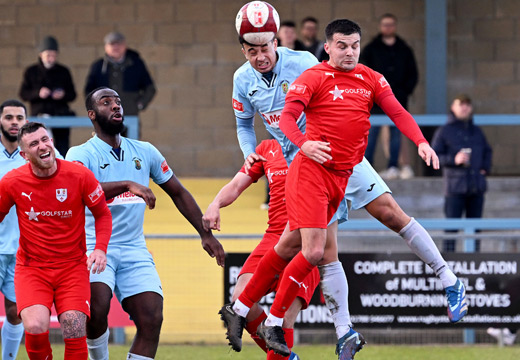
[{"x": 131, "y": 122}]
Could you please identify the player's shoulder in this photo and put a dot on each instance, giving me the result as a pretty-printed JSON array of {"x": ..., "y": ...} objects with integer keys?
[
  {"x": 139, "y": 145},
  {"x": 72, "y": 168},
  {"x": 365, "y": 70},
  {"x": 243, "y": 73},
  {"x": 18, "y": 172},
  {"x": 267, "y": 145}
]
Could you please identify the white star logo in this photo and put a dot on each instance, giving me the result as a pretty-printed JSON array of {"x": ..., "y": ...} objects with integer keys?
[
  {"x": 33, "y": 215},
  {"x": 337, "y": 93}
]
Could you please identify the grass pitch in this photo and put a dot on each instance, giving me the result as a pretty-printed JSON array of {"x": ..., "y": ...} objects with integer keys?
[{"x": 317, "y": 352}]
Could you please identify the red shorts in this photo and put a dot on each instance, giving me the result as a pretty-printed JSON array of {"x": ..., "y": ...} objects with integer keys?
[
  {"x": 267, "y": 243},
  {"x": 68, "y": 287},
  {"x": 313, "y": 193}
]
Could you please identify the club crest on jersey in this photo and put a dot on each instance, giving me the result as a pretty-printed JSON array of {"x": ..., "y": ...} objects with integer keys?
[
  {"x": 285, "y": 86},
  {"x": 137, "y": 163},
  {"x": 61, "y": 195}
]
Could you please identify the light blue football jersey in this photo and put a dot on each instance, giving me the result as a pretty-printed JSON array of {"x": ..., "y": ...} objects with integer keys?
[
  {"x": 9, "y": 231},
  {"x": 252, "y": 93},
  {"x": 138, "y": 161}
]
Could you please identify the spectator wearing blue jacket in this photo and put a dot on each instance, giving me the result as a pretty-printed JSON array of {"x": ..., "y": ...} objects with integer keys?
[{"x": 465, "y": 158}]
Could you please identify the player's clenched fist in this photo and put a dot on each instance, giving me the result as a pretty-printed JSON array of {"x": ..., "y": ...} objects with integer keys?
[{"x": 318, "y": 151}]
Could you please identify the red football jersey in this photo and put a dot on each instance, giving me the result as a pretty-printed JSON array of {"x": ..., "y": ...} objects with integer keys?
[
  {"x": 338, "y": 105},
  {"x": 275, "y": 169},
  {"x": 51, "y": 212}
]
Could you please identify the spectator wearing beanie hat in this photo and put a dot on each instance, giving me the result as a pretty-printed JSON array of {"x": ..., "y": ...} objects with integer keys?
[{"x": 48, "y": 87}]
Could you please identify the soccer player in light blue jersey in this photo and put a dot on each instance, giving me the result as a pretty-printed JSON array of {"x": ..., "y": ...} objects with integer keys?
[
  {"x": 13, "y": 115},
  {"x": 124, "y": 167},
  {"x": 260, "y": 86}
]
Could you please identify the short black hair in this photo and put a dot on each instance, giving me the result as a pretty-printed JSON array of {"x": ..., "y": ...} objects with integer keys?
[
  {"x": 242, "y": 41},
  {"x": 14, "y": 103},
  {"x": 89, "y": 100},
  {"x": 309, "y": 19},
  {"x": 341, "y": 26},
  {"x": 288, "y": 23},
  {"x": 29, "y": 128}
]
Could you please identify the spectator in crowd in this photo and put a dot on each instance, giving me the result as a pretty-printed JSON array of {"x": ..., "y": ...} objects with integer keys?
[
  {"x": 48, "y": 87},
  {"x": 288, "y": 37},
  {"x": 123, "y": 70},
  {"x": 465, "y": 158},
  {"x": 309, "y": 37},
  {"x": 389, "y": 55}
]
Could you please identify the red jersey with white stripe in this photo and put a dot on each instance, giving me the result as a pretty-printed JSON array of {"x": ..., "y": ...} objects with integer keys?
[
  {"x": 337, "y": 106},
  {"x": 51, "y": 212},
  {"x": 275, "y": 169}
]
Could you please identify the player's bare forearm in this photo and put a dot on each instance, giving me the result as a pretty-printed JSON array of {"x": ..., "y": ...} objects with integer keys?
[{"x": 115, "y": 188}]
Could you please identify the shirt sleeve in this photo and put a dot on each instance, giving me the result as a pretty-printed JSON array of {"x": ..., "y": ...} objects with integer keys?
[
  {"x": 246, "y": 135},
  {"x": 6, "y": 201},
  {"x": 241, "y": 105},
  {"x": 77, "y": 154},
  {"x": 92, "y": 190},
  {"x": 160, "y": 171}
]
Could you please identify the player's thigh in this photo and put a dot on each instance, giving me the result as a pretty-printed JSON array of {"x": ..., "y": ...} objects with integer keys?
[
  {"x": 72, "y": 289},
  {"x": 364, "y": 186},
  {"x": 7, "y": 264},
  {"x": 33, "y": 286},
  {"x": 137, "y": 277}
]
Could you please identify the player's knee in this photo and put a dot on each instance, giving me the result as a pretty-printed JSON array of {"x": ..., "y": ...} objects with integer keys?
[
  {"x": 150, "y": 323},
  {"x": 35, "y": 325},
  {"x": 314, "y": 255}
]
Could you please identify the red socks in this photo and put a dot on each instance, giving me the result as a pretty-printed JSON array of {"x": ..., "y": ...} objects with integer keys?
[
  {"x": 38, "y": 346},
  {"x": 251, "y": 327},
  {"x": 267, "y": 272},
  {"x": 76, "y": 349},
  {"x": 289, "y": 339},
  {"x": 292, "y": 281}
]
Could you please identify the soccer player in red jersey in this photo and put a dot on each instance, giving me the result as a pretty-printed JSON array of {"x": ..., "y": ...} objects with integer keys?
[
  {"x": 337, "y": 97},
  {"x": 275, "y": 169},
  {"x": 51, "y": 266}
]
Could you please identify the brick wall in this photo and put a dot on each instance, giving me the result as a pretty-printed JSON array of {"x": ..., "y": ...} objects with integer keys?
[{"x": 191, "y": 50}]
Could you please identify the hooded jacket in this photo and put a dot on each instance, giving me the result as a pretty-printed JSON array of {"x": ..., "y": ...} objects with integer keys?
[
  {"x": 130, "y": 79},
  {"x": 448, "y": 141}
]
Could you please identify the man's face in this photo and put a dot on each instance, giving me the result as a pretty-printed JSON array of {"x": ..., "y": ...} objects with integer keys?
[
  {"x": 116, "y": 50},
  {"x": 108, "y": 112},
  {"x": 388, "y": 26},
  {"x": 38, "y": 149},
  {"x": 309, "y": 30},
  {"x": 461, "y": 109},
  {"x": 261, "y": 57},
  {"x": 49, "y": 58},
  {"x": 287, "y": 35},
  {"x": 344, "y": 51},
  {"x": 11, "y": 120}
]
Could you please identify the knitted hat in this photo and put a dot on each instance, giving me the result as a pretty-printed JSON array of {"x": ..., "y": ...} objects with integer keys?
[{"x": 49, "y": 43}]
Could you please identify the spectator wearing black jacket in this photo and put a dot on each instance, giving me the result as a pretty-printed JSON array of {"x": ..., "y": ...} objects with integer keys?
[
  {"x": 389, "y": 55},
  {"x": 465, "y": 158},
  {"x": 123, "y": 70},
  {"x": 48, "y": 87}
]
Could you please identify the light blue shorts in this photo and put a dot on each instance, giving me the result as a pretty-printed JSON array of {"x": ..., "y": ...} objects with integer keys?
[
  {"x": 7, "y": 262},
  {"x": 364, "y": 186},
  {"x": 129, "y": 271}
]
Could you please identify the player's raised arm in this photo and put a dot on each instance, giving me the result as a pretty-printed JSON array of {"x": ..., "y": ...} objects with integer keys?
[
  {"x": 188, "y": 207},
  {"x": 226, "y": 196},
  {"x": 407, "y": 125}
]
